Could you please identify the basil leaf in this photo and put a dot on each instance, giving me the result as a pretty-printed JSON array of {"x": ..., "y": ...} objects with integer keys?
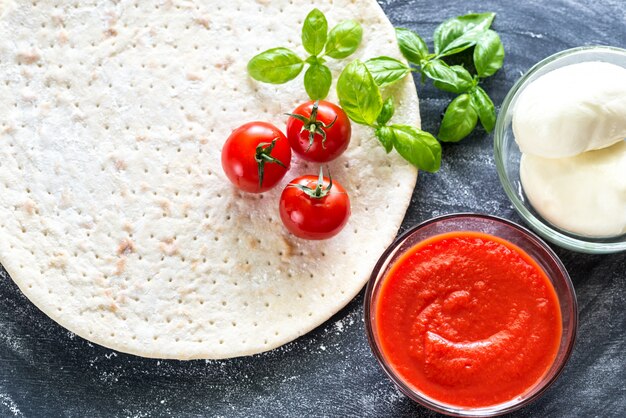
[
  {"x": 314, "y": 32},
  {"x": 386, "y": 70},
  {"x": 411, "y": 45},
  {"x": 447, "y": 32},
  {"x": 344, "y": 39},
  {"x": 466, "y": 41},
  {"x": 459, "y": 120},
  {"x": 455, "y": 79},
  {"x": 317, "y": 79},
  {"x": 460, "y": 83},
  {"x": 459, "y": 33},
  {"x": 485, "y": 108},
  {"x": 488, "y": 54},
  {"x": 481, "y": 21},
  {"x": 276, "y": 66},
  {"x": 386, "y": 112},
  {"x": 385, "y": 136},
  {"x": 359, "y": 96},
  {"x": 417, "y": 147}
]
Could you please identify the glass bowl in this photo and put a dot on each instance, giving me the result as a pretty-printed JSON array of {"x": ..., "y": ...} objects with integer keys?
[
  {"x": 515, "y": 234},
  {"x": 507, "y": 153}
]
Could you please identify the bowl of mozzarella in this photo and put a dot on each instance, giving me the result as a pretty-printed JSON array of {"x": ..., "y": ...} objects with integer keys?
[{"x": 560, "y": 148}]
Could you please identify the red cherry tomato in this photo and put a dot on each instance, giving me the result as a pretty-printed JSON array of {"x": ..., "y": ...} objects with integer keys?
[
  {"x": 314, "y": 208},
  {"x": 319, "y": 133},
  {"x": 256, "y": 156}
]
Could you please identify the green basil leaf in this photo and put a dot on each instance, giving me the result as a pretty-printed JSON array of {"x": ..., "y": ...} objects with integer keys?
[
  {"x": 386, "y": 112},
  {"x": 459, "y": 33},
  {"x": 359, "y": 96},
  {"x": 314, "y": 32},
  {"x": 317, "y": 79},
  {"x": 385, "y": 136},
  {"x": 482, "y": 21},
  {"x": 447, "y": 32},
  {"x": 386, "y": 70},
  {"x": 460, "y": 83},
  {"x": 485, "y": 108},
  {"x": 459, "y": 120},
  {"x": 411, "y": 45},
  {"x": 455, "y": 79},
  {"x": 344, "y": 39},
  {"x": 466, "y": 41},
  {"x": 488, "y": 54},
  {"x": 276, "y": 66},
  {"x": 417, "y": 147}
]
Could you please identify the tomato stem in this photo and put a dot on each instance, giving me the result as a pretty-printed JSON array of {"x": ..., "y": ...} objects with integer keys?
[
  {"x": 313, "y": 125},
  {"x": 263, "y": 155},
  {"x": 319, "y": 191}
]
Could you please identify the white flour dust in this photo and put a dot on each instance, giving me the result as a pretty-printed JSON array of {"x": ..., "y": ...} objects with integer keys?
[{"x": 10, "y": 405}]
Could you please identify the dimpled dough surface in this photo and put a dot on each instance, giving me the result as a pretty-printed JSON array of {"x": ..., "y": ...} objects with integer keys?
[{"x": 115, "y": 216}]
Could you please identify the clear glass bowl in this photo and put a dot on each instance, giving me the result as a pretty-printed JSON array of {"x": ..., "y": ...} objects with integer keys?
[
  {"x": 501, "y": 228},
  {"x": 507, "y": 153}
]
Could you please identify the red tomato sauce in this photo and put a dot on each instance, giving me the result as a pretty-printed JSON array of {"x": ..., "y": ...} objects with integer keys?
[{"x": 468, "y": 319}]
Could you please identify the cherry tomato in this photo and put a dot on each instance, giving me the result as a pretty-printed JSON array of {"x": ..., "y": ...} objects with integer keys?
[
  {"x": 319, "y": 131},
  {"x": 314, "y": 207},
  {"x": 256, "y": 156}
]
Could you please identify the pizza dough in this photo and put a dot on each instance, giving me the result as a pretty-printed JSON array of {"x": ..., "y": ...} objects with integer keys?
[{"x": 116, "y": 219}]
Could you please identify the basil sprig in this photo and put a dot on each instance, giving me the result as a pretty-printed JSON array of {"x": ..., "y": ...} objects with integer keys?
[
  {"x": 360, "y": 97},
  {"x": 454, "y": 36},
  {"x": 359, "y": 85},
  {"x": 280, "y": 65}
]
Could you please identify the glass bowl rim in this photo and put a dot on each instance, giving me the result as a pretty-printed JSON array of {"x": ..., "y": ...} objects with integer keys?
[
  {"x": 547, "y": 231},
  {"x": 447, "y": 409}
]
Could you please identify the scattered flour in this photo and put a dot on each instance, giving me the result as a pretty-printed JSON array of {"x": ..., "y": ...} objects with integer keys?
[
  {"x": 10, "y": 405},
  {"x": 532, "y": 34}
]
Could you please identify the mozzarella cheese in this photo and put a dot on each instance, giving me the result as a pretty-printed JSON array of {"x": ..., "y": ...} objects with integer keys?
[
  {"x": 585, "y": 194},
  {"x": 573, "y": 109}
]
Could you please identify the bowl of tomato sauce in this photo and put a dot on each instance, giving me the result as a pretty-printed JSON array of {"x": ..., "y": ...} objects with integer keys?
[{"x": 471, "y": 315}]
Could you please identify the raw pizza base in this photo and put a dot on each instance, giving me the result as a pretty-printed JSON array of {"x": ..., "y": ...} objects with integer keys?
[{"x": 116, "y": 219}]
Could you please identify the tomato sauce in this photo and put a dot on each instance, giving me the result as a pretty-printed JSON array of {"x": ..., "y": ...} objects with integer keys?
[{"x": 468, "y": 319}]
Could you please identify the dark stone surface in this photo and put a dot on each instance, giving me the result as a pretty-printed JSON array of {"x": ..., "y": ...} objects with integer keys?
[{"x": 45, "y": 370}]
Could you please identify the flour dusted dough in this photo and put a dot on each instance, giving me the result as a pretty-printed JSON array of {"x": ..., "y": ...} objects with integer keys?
[{"x": 116, "y": 219}]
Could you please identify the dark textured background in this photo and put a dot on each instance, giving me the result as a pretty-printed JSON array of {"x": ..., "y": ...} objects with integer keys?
[{"x": 47, "y": 371}]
